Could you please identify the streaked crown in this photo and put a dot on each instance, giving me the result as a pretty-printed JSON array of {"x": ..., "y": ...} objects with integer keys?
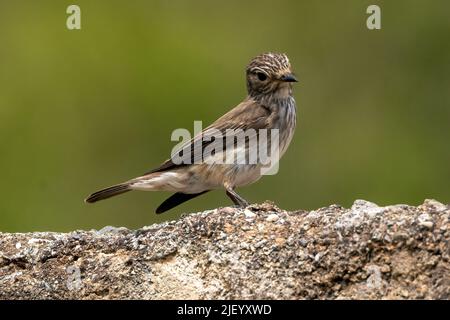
[
  {"x": 269, "y": 63},
  {"x": 268, "y": 73}
]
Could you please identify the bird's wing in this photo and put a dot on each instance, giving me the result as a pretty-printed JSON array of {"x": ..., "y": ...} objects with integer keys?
[
  {"x": 247, "y": 115},
  {"x": 175, "y": 200}
]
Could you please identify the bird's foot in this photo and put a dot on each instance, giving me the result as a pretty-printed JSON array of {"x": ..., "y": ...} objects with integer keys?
[{"x": 237, "y": 199}]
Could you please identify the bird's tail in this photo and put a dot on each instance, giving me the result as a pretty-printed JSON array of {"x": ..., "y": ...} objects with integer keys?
[{"x": 108, "y": 192}]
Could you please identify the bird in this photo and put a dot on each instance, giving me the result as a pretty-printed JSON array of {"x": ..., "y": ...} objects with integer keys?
[{"x": 268, "y": 106}]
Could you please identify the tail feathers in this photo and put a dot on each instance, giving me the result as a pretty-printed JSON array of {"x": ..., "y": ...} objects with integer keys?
[{"x": 108, "y": 192}]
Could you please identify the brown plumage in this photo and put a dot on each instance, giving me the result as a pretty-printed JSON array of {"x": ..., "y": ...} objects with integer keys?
[{"x": 269, "y": 105}]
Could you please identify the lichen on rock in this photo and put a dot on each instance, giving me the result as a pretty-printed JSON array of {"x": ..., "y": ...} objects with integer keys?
[{"x": 261, "y": 252}]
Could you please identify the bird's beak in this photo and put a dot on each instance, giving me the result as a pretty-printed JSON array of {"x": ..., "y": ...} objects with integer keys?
[{"x": 288, "y": 77}]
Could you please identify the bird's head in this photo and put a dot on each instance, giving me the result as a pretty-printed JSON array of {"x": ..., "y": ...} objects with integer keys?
[{"x": 270, "y": 74}]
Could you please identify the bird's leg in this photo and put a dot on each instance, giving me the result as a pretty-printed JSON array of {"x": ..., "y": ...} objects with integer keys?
[{"x": 237, "y": 199}]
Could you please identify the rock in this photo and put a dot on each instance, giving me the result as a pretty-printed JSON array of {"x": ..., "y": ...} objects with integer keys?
[
  {"x": 363, "y": 204},
  {"x": 111, "y": 229},
  {"x": 425, "y": 220},
  {"x": 272, "y": 217},
  {"x": 365, "y": 252},
  {"x": 436, "y": 205},
  {"x": 249, "y": 214}
]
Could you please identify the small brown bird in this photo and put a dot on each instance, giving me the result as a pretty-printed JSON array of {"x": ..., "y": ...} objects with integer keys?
[{"x": 269, "y": 106}]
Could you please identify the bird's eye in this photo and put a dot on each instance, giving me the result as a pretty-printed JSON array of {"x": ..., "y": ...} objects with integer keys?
[{"x": 261, "y": 76}]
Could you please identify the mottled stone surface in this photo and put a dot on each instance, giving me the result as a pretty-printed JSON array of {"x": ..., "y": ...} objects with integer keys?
[{"x": 262, "y": 252}]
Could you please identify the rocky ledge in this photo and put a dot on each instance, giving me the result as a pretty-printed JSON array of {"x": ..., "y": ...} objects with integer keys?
[{"x": 261, "y": 252}]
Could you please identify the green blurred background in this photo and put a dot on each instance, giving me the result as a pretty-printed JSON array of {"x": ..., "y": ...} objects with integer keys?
[{"x": 81, "y": 110}]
